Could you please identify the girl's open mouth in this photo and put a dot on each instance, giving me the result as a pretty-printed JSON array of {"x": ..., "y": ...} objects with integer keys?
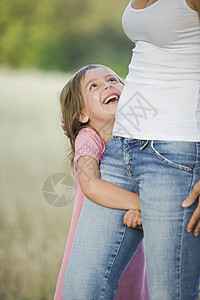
[{"x": 111, "y": 99}]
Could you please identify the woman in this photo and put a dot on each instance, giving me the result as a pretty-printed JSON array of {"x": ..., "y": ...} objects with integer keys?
[{"x": 155, "y": 150}]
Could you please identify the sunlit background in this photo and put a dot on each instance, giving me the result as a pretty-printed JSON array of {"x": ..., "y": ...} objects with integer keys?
[{"x": 42, "y": 42}]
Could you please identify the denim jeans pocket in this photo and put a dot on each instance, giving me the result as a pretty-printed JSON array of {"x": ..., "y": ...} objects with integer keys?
[{"x": 179, "y": 155}]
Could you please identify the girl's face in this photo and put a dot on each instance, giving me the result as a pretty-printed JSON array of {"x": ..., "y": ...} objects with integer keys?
[{"x": 101, "y": 90}]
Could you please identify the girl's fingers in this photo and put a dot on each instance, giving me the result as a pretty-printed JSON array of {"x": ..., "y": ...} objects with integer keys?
[
  {"x": 125, "y": 218},
  {"x": 139, "y": 227},
  {"x": 63, "y": 125},
  {"x": 135, "y": 225},
  {"x": 130, "y": 223},
  {"x": 140, "y": 221},
  {"x": 132, "y": 218}
]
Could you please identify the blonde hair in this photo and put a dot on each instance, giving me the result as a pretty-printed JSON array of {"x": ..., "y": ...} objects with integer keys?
[{"x": 72, "y": 104}]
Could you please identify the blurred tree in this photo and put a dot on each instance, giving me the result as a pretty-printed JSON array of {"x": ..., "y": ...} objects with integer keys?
[{"x": 63, "y": 34}]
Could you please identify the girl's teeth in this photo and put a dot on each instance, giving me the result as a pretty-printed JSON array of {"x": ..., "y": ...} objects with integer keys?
[{"x": 113, "y": 98}]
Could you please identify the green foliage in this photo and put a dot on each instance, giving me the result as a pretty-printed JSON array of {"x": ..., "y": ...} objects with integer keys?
[{"x": 63, "y": 34}]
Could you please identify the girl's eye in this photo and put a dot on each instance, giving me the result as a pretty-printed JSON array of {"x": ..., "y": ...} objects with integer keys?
[
  {"x": 112, "y": 79},
  {"x": 93, "y": 86}
]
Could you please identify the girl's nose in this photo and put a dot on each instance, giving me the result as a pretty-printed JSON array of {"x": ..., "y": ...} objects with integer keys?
[{"x": 106, "y": 86}]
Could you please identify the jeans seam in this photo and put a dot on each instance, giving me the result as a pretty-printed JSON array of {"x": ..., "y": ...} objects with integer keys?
[
  {"x": 114, "y": 259},
  {"x": 128, "y": 168},
  {"x": 180, "y": 259},
  {"x": 129, "y": 161},
  {"x": 197, "y": 156},
  {"x": 181, "y": 241},
  {"x": 196, "y": 165}
]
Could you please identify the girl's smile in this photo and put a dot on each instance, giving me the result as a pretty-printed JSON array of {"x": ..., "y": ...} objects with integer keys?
[{"x": 114, "y": 98}]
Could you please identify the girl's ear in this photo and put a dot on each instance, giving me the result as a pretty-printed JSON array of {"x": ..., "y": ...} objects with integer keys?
[{"x": 83, "y": 118}]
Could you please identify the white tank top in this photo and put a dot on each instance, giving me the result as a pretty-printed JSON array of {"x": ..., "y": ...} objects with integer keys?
[{"x": 161, "y": 97}]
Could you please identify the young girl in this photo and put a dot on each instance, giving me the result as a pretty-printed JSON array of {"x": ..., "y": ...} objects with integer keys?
[{"x": 88, "y": 102}]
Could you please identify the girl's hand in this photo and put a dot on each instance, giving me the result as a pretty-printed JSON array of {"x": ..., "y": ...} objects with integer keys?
[
  {"x": 195, "y": 219},
  {"x": 63, "y": 125},
  {"x": 132, "y": 218}
]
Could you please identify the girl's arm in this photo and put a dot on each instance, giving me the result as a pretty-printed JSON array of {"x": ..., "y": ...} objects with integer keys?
[{"x": 100, "y": 191}]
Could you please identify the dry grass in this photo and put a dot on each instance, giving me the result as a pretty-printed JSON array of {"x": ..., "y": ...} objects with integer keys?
[{"x": 32, "y": 147}]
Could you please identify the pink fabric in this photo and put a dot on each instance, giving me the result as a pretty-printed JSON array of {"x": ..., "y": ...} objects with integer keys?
[{"x": 134, "y": 283}]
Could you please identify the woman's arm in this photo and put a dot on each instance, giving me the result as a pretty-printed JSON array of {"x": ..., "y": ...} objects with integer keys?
[
  {"x": 195, "y": 4},
  {"x": 101, "y": 191}
]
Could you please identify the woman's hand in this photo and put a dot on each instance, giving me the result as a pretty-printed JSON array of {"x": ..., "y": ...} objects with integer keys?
[
  {"x": 195, "y": 219},
  {"x": 132, "y": 218}
]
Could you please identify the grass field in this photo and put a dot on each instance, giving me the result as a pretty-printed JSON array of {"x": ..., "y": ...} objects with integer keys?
[{"x": 32, "y": 147}]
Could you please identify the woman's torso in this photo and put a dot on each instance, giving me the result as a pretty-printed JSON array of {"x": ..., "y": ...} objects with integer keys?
[{"x": 161, "y": 98}]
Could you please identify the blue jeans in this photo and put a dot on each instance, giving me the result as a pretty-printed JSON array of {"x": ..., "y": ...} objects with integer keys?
[{"x": 163, "y": 173}]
